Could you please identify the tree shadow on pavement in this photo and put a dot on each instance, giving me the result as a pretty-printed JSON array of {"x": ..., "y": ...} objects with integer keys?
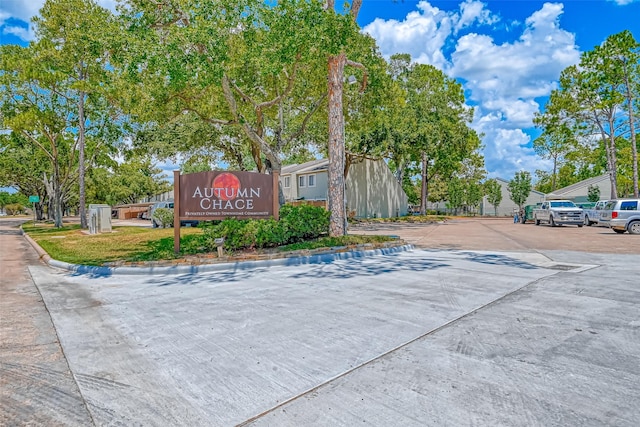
[
  {"x": 342, "y": 269},
  {"x": 497, "y": 259}
]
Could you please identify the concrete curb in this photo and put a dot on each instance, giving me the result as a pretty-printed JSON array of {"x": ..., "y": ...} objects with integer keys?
[
  {"x": 320, "y": 258},
  {"x": 41, "y": 252},
  {"x": 225, "y": 266}
]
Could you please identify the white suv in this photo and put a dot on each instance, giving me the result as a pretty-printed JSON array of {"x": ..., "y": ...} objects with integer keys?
[{"x": 622, "y": 215}]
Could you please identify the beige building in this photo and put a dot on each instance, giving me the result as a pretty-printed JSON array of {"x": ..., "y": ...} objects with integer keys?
[
  {"x": 579, "y": 191},
  {"x": 507, "y": 207},
  {"x": 371, "y": 188}
]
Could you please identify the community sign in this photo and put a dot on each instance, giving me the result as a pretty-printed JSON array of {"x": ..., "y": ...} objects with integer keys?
[{"x": 217, "y": 195}]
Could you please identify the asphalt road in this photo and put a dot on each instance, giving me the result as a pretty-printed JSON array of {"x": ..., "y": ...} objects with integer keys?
[{"x": 480, "y": 325}]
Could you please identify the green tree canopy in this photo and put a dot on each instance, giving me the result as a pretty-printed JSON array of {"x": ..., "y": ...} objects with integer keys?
[
  {"x": 597, "y": 106},
  {"x": 520, "y": 188},
  {"x": 51, "y": 96},
  {"x": 493, "y": 191},
  {"x": 432, "y": 125}
]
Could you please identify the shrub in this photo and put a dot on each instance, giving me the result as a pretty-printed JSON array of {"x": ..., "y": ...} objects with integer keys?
[
  {"x": 304, "y": 222},
  {"x": 14, "y": 209},
  {"x": 163, "y": 216},
  {"x": 297, "y": 223},
  {"x": 270, "y": 233}
]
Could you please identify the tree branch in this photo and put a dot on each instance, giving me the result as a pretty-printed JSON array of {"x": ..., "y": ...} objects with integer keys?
[
  {"x": 355, "y": 8},
  {"x": 255, "y": 139},
  {"x": 306, "y": 119},
  {"x": 290, "y": 82},
  {"x": 35, "y": 141}
]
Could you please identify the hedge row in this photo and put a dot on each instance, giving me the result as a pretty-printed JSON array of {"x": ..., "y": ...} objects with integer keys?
[{"x": 297, "y": 223}]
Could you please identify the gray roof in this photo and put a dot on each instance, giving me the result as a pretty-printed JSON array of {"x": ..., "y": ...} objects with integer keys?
[
  {"x": 505, "y": 182},
  {"x": 578, "y": 185},
  {"x": 312, "y": 166}
]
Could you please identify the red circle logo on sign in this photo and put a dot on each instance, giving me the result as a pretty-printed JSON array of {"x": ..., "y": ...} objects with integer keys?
[{"x": 226, "y": 186}]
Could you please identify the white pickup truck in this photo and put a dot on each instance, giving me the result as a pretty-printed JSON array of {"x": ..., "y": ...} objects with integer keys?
[
  {"x": 592, "y": 216},
  {"x": 559, "y": 212}
]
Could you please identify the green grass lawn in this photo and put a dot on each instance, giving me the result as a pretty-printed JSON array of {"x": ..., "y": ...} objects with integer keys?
[
  {"x": 132, "y": 244},
  {"x": 73, "y": 245}
]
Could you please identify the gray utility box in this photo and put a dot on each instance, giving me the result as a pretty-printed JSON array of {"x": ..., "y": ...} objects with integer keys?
[{"x": 99, "y": 219}]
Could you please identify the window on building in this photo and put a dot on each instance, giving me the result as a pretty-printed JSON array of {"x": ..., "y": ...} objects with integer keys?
[
  {"x": 287, "y": 182},
  {"x": 302, "y": 181},
  {"x": 311, "y": 180}
]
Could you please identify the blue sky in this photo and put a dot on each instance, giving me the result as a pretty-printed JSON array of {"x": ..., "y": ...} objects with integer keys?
[{"x": 508, "y": 54}]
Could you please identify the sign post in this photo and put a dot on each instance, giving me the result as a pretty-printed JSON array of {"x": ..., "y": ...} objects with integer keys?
[
  {"x": 34, "y": 200},
  {"x": 176, "y": 211}
]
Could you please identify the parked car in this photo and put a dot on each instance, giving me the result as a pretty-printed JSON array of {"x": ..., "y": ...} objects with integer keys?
[
  {"x": 558, "y": 212},
  {"x": 168, "y": 204},
  {"x": 622, "y": 215},
  {"x": 592, "y": 215}
]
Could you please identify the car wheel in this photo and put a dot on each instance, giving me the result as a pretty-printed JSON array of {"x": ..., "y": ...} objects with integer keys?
[
  {"x": 586, "y": 220},
  {"x": 618, "y": 231},
  {"x": 551, "y": 221},
  {"x": 537, "y": 221},
  {"x": 634, "y": 227},
  {"x": 580, "y": 225}
]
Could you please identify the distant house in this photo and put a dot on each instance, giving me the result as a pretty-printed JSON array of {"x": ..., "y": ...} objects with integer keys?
[
  {"x": 507, "y": 207},
  {"x": 371, "y": 188},
  {"x": 579, "y": 191}
]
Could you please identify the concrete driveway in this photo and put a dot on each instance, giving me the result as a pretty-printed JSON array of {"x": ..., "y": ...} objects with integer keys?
[{"x": 426, "y": 337}]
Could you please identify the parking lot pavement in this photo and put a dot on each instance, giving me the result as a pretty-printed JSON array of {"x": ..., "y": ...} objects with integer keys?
[
  {"x": 503, "y": 235},
  {"x": 564, "y": 350},
  {"x": 428, "y": 337},
  {"x": 133, "y": 222}
]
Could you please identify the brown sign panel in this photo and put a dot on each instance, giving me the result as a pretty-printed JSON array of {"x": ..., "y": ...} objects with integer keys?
[{"x": 224, "y": 194}]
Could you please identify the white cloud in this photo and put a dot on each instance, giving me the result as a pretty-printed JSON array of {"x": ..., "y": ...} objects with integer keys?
[
  {"x": 515, "y": 114},
  {"x": 502, "y": 80},
  {"x": 525, "y": 68},
  {"x": 623, "y": 2},
  {"x": 20, "y": 32},
  {"x": 3, "y": 17},
  {"x": 508, "y": 153},
  {"x": 474, "y": 11},
  {"x": 422, "y": 34},
  {"x": 22, "y": 10}
]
